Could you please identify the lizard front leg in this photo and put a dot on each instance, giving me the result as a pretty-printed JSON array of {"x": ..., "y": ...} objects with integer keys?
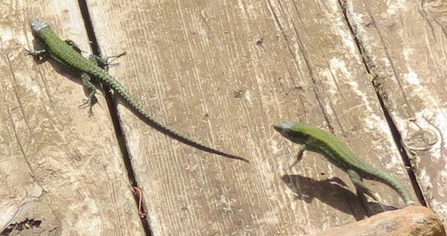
[
  {"x": 73, "y": 45},
  {"x": 40, "y": 56},
  {"x": 299, "y": 156},
  {"x": 103, "y": 62}
]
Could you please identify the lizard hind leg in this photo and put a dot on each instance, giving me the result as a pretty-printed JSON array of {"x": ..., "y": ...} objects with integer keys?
[
  {"x": 92, "y": 91},
  {"x": 87, "y": 80},
  {"x": 362, "y": 188}
]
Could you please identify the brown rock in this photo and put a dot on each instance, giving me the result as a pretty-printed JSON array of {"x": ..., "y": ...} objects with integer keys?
[{"x": 415, "y": 220}]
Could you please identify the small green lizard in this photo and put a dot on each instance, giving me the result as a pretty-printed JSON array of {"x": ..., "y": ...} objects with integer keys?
[
  {"x": 338, "y": 153},
  {"x": 68, "y": 55}
]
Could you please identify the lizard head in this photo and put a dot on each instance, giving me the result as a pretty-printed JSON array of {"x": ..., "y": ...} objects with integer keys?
[
  {"x": 292, "y": 130},
  {"x": 37, "y": 25}
]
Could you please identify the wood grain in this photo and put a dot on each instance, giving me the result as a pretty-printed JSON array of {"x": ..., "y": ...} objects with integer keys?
[
  {"x": 222, "y": 73},
  {"x": 58, "y": 165}
]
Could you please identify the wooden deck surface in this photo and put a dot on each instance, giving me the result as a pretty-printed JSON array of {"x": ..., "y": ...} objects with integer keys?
[{"x": 221, "y": 72}]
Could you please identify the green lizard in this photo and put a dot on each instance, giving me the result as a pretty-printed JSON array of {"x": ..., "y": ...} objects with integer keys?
[
  {"x": 68, "y": 55},
  {"x": 338, "y": 153}
]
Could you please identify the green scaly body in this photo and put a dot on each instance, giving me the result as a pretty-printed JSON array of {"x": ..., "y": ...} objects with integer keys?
[
  {"x": 338, "y": 153},
  {"x": 68, "y": 56}
]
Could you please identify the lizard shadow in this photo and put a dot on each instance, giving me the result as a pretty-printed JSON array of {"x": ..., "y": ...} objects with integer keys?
[{"x": 339, "y": 196}]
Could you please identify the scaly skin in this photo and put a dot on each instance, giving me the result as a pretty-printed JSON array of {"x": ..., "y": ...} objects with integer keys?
[
  {"x": 338, "y": 153},
  {"x": 67, "y": 55}
]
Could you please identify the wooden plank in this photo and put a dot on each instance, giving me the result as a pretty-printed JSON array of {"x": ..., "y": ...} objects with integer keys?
[
  {"x": 59, "y": 166},
  {"x": 406, "y": 46},
  {"x": 222, "y": 73}
]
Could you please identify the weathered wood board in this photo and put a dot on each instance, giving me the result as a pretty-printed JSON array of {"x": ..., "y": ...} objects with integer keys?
[
  {"x": 58, "y": 165},
  {"x": 221, "y": 72}
]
